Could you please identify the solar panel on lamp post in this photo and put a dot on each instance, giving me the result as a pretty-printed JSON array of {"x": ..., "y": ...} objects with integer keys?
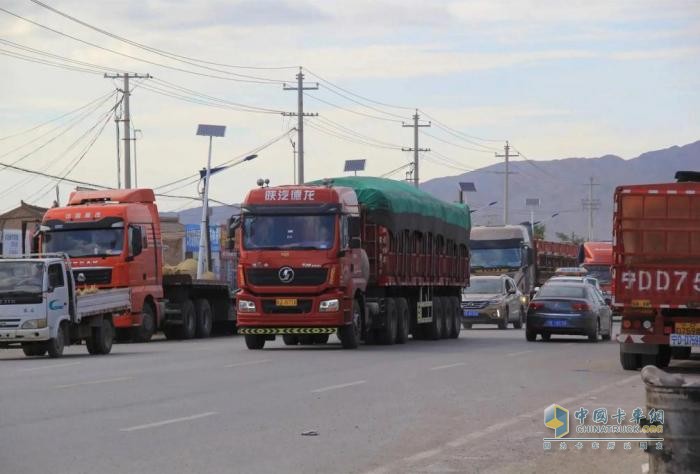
[
  {"x": 354, "y": 165},
  {"x": 532, "y": 204},
  {"x": 465, "y": 187},
  {"x": 202, "y": 260}
]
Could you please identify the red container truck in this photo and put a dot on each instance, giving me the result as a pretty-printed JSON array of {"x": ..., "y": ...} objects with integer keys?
[
  {"x": 656, "y": 270},
  {"x": 367, "y": 258},
  {"x": 597, "y": 258}
]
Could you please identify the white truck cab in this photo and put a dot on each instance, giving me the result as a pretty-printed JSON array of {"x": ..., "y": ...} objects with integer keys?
[{"x": 41, "y": 312}]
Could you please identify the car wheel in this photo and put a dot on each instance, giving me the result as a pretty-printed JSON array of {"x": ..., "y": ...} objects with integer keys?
[
  {"x": 546, "y": 336},
  {"x": 503, "y": 324},
  {"x": 530, "y": 335},
  {"x": 521, "y": 319},
  {"x": 467, "y": 325},
  {"x": 593, "y": 337}
]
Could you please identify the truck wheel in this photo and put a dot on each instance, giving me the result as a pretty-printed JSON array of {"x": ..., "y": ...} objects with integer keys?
[
  {"x": 628, "y": 360},
  {"x": 503, "y": 324},
  {"x": 189, "y": 319},
  {"x": 290, "y": 339},
  {"x": 320, "y": 338},
  {"x": 144, "y": 333},
  {"x": 171, "y": 332},
  {"x": 56, "y": 344},
  {"x": 350, "y": 334},
  {"x": 467, "y": 325},
  {"x": 530, "y": 335},
  {"x": 204, "y": 318},
  {"x": 306, "y": 339},
  {"x": 102, "y": 338},
  {"x": 33, "y": 349},
  {"x": 521, "y": 318},
  {"x": 446, "y": 317},
  {"x": 387, "y": 335},
  {"x": 676, "y": 352},
  {"x": 435, "y": 326},
  {"x": 404, "y": 321},
  {"x": 254, "y": 341},
  {"x": 456, "y": 318}
]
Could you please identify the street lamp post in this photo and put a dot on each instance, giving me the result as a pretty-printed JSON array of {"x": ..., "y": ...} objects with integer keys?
[{"x": 136, "y": 168}]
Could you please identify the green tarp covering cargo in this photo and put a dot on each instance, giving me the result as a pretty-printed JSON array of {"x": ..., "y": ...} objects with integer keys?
[{"x": 398, "y": 205}]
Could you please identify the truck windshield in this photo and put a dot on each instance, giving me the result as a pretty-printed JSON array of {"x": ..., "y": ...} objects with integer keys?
[
  {"x": 483, "y": 285},
  {"x": 85, "y": 242},
  {"x": 601, "y": 272},
  {"x": 296, "y": 232},
  {"x": 496, "y": 258},
  {"x": 21, "y": 277}
]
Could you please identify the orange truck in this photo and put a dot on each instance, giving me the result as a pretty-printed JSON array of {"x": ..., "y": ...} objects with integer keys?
[
  {"x": 596, "y": 258},
  {"x": 113, "y": 240},
  {"x": 656, "y": 270}
]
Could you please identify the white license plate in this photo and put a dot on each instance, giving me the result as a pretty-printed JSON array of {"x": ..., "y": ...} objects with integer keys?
[{"x": 685, "y": 340}]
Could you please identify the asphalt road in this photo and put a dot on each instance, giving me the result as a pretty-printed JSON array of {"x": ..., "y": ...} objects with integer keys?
[{"x": 469, "y": 405}]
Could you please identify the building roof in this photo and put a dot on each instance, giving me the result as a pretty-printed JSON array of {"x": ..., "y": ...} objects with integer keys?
[{"x": 24, "y": 211}]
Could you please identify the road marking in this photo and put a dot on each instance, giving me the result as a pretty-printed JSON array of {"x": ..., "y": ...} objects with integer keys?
[
  {"x": 513, "y": 354},
  {"x": 250, "y": 362},
  {"x": 168, "y": 422},
  {"x": 449, "y": 366},
  {"x": 94, "y": 382},
  {"x": 335, "y": 387},
  {"x": 53, "y": 366},
  {"x": 403, "y": 465},
  {"x": 645, "y": 468}
]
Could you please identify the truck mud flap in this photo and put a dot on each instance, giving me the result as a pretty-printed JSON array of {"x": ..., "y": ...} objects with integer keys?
[{"x": 287, "y": 330}]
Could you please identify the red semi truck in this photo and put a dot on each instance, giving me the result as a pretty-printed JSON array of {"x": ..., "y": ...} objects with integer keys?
[
  {"x": 367, "y": 258},
  {"x": 656, "y": 270},
  {"x": 114, "y": 241},
  {"x": 597, "y": 258}
]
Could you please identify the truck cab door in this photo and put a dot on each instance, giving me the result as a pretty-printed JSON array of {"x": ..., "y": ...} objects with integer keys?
[{"x": 57, "y": 295}]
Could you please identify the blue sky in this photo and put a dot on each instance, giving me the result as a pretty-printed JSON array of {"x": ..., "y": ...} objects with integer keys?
[{"x": 557, "y": 79}]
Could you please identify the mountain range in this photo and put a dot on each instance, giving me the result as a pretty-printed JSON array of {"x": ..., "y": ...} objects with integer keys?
[{"x": 560, "y": 185}]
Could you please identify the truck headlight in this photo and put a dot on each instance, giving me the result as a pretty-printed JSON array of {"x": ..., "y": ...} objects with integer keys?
[
  {"x": 34, "y": 324},
  {"x": 523, "y": 299},
  {"x": 245, "y": 306},
  {"x": 329, "y": 306}
]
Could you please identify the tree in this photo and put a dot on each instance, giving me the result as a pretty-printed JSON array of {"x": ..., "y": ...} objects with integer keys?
[
  {"x": 539, "y": 231},
  {"x": 573, "y": 238}
]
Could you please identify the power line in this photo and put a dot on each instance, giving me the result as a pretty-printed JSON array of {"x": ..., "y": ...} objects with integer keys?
[
  {"x": 54, "y": 56},
  {"x": 340, "y": 107},
  {"x": 341, "y": 127},
  {"x": 458, "y": 133},
  {"x": 45, "y": 62},
  {"x": 349, "y": 138},
  {"x": 456, "y": 144},
  {"x": 151, "y": 48}
]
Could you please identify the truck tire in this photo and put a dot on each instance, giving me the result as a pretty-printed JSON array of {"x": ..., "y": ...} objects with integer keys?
[
  {"x": 145, "y": 331},
  {"x": 456, "y": 327},
  {"x": 102, "y": 338},
  {"x": 503, "y": 324},
  {"x": 320, "y": 338},
  {"x": 518, "y": 324},
  {"x": 306, "y": 339},
  {"x": 435, "y": 326},
  {"x": 171, "y": 332},
  {"x": 189, "y": 320},
  {"x": 446, "y": 317},
  {"x": 404, "y": 321},
  {"x": 387, "y": 335},
  {"x": 33, "y": 349},
  {"x": 681, "y": 352},
  {"x": 466, "y": 325},
  {"x": 628, "y": 360},
  {"x": 290, "y": 339},
  {"x": 254, "y": 341},
  {"x": 56, "y": 344},
  {"x": 349, "y": 334},
  {"x": 205, "y": 318}
]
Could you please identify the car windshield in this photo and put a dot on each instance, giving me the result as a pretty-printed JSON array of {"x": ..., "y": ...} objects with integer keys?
[
  {"x": 295, "y": 232},
  {"x": 601, "y": 272},
  {"x": 496, "y": 258},
  {"x": 85, "y": 242},
  {"x": 483, "y": 285},
  {"x": 561, "y": 291},
  {"x": 21, "y": 277}
]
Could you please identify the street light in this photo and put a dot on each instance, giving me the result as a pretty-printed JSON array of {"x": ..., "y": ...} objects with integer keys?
[
  {"x": 136, "y": 168},
  {"x": 206, "y": 131},
  {"x": 532, "y": 204},
  {"x": 484, "y": 207},
  {"x": 465, "y": 187}
]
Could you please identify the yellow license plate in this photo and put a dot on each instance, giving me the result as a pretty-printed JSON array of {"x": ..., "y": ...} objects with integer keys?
[
  {"x": 286, "y": 301},
  {"x": 688, "y": 328},
  {"x": 640, "y": 303}
]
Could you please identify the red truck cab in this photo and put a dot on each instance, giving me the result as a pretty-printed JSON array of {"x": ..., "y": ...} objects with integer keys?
[
  {"x": 113, "y": 240},
  {"x": 597, "y": 259},
  {"x": 299, "y": 265},
  {"x": 656, "y": 270}
]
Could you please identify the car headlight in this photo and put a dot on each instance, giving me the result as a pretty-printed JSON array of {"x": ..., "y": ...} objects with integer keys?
[
  {"x": 329, "y": 306},
  {"x": 34, "y": 324},
  {"x": 523, "y": 299},
  {"x": 245, "y": 306}
]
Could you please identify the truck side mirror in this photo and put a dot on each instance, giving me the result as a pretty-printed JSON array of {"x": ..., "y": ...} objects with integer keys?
[
  {"x": 135, "y": 241},
  {"x": 354, "y": 228},
  {"x": 355, "y": 243}
]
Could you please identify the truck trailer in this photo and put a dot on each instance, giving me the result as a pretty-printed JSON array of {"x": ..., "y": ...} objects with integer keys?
[
  {"x": 367, "y": 258},
  {"x": 656, "y": 270},
  {"x": 42, "y": 311},
  {"x": 113, "y": 239}
]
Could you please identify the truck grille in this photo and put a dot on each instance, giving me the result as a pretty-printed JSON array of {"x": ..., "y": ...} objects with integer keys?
[
  {"x": 302, "y": 276},
  {"x": 474, "y": 304},
  {"x": 94, "y": 276},
  {"x": 9, "y": 323},
  {"x": 270, "y": 307}
]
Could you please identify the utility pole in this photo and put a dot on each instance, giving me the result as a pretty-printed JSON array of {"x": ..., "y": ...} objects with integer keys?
[
  {"x": 507, "y": 173},
  {"x": 136, "y": 166},
  {"x": 590, "y": 204},
  {"x": 300, "y": 88},
  {"x": 127, "y": 126},
  {"x": 416, "y": 149}
]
